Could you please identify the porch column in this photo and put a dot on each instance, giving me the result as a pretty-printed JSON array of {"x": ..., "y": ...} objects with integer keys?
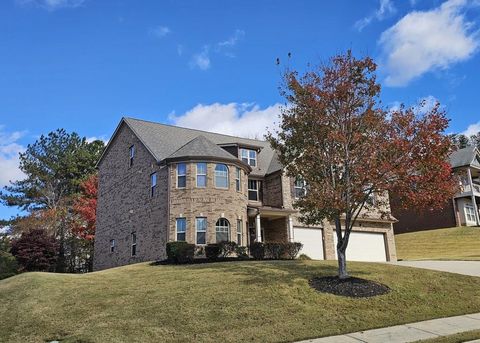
[
  {"x": 474, "y": 203},
  {"x": 258, "y": 227},
  {"x": 290, "y": 228}
]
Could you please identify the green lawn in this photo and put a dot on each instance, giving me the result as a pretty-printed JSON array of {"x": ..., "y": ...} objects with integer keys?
[
  {"x": 458, "y": 243},
  {"x": 220, "y": 302}
]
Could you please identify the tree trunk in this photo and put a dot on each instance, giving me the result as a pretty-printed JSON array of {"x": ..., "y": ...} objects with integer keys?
[{"x": 342, "y": 264}]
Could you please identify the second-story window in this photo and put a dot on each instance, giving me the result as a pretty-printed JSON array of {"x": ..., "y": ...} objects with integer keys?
[
  {"x": 131, "y": 152},
  {"x": 181, "y": 175},
  {"x": 299, "y": 188},
  {"x": 238, "y": 179},
  {"x": 201, "y": 175},
  {"x": 249, "y": 156},
  {"x": 221, "y": 176},
  {"x": 253, "y": 190},
  {"x": 153, "y": 184}
]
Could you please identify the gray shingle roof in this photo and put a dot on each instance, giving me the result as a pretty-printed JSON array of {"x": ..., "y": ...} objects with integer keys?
[
  {"x": 165, "y": 140},
  {"x": 463, "y": 157}
]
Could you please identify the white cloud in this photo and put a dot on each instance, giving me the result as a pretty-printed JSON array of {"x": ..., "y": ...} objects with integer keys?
[
  {"x": 233, "y": 40},
  {"x": 180, "y": 49},
  {"x": 160, "y": 31},
  {"x": 245, "y": 120},
  {"x": 52, "y": 5},
  {"x": 427, "y": 40},
  {"x": 9, "y": 159},
  {"x": 472, "y": 129},
  {"x": 386, "y": 9},
  {"x": 201, "y": 60},
  {"x": 95, "y": 138}
]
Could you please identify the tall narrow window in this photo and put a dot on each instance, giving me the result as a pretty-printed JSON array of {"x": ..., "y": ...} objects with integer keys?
[
  {"x": 201, "y": 175},
  {"x": 201, "y": 228},
  {"x": 253, "y": 186},
  {"x": 112, "y": 245},
  {"x": 239, "y": 231},
  {"x": 299, "y": 188},
  {"x": 131, "y": 151},
  {"x": 222, "y": 228},
  {"x": 249, "y": 156},
  {"x": 134, "y": 244},
  {"x": 238, "y": 179},
  {"x": 181, "y": 229},
  {"x": 221, "y": 176},
  {"x": 153, "y": 184},
  {"x": 181, "y": 175}
]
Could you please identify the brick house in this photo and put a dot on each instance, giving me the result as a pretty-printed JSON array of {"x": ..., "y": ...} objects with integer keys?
[
  {"x": 160, "y": 183},
  {"x": 461, "y": 210}
]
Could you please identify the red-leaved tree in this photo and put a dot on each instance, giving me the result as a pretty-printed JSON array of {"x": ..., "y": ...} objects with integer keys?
[
  {"x": 85, "y": 208},
  {"x": 335, "y": 136},
  {"x": 35, "y": 250}
]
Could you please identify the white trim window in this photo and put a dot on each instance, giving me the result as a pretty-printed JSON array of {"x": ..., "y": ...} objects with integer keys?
[
  {"x": 134, "y": 243},
  {"x": 201, "y": 175},
  {"x": 249, "y": 156},
  {"x": 131, "y": 153},
  {"x": 181, "y": 175},
  {"x": 238, "y": 179},
  {"x": 201, "y": 230},
  {"x": 112, "y": 245},
  {"x": 299, "y": 188},
  {"x": 181, "y": 229},
  {"x": 470, "y": 213},
  {"x": 222, "y": 230},
  {"x": 239, "y": 231},
  {"x": 221, "y": 176},
  {"x": 253, "y": 190},
  {"x": 153, "y": 184}
]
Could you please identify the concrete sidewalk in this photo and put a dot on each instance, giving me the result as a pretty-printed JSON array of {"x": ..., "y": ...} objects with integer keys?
[
  {"x": 408, "y": 332},
  {"x": 471, "y": 268}
]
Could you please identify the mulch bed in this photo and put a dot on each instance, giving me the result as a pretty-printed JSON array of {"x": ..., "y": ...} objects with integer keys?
[{"x": 351, "y": 287}]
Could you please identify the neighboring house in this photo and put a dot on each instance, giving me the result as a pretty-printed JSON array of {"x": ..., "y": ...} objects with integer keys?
[
  {"x": 462, "y": 210},
  {"x": 160, "y": 183}
]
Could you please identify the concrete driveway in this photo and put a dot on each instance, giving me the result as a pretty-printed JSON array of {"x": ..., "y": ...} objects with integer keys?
[{"x": 460, "y": 267}]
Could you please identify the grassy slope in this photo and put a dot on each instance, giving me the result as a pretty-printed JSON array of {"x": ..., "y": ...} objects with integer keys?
[
  {"x": 227, "y": 302},
  {"x": 459, "y": 243}
]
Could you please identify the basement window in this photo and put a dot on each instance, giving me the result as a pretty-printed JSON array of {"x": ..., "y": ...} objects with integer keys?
[
  {"x": 134, "y": 244},
  {"x": 112, "y": 245}
]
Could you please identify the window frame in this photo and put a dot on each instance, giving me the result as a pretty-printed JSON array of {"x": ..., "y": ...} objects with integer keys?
[
  {"x": 181, "y": 175},
  {"x": 153, "y": 185},
  {"x": 131, "y": 155},
  {"x": 184, "y": 219},
  {"x": 215, "y": 175},
  {"x": 197, "y": 174},
  {"x": 112, "y": 245},
  {"x": 239, "y": 232},
  {"x": 226, "y": 228},
  {"x": 256, "y": 190},
  {"x": 248, "y": 157},
  {"x": 238, "y": 179},
  {"x": 468, "y": 214},
  {"x": 133, "y": 249},
  {"x": 197, "y": 230},
  {"x": 302, "y": 188}
]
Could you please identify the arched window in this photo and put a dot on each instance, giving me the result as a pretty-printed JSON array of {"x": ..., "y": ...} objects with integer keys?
[
  {"x": 222, "y": 228},
  {"x": 221, "y": 176}
]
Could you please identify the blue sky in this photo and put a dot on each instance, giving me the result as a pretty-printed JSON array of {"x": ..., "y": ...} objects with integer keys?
[{"x": 83, "y": 64}]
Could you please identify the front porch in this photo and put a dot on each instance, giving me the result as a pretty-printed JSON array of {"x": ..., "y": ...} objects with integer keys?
[{"x": 269, "y": 224}]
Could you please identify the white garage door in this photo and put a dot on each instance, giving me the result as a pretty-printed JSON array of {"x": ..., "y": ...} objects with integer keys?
[
  {"x": 312, "y": 240},
  {"x": 365, "y": 246}
]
